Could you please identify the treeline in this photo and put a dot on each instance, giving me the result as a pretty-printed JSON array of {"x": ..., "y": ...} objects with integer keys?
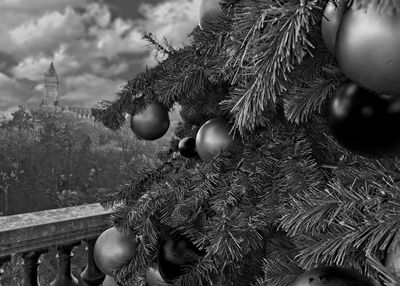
[{"x": 53, "y": 159}]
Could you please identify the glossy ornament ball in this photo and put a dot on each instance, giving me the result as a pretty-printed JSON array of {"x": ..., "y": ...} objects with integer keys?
[
  {"x": 153, "y": 278},
  {"x": 392, "y": 259},
  {"x": 332, "y": 276},
  {"x": 192, "y": 117},
  {"x": 187, "y": 147},
  {"x": 213, "y": 137},
  {"x": 152, "y": 123},
  {"x": 210, "y": 12},
  {"x": 175, "y": 256},
  {"x": 365, "y": 122},
  {"x": 331, "y": 20},
  {"x": 109, "y": 281},
  {"x": 113, "y": 249},
  {"x": 367, "y": 49}
]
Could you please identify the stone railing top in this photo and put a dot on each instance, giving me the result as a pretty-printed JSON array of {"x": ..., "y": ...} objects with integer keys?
[{"x": 42, "y": 229}]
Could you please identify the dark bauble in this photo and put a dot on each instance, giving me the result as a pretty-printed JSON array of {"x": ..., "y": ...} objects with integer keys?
[
  {"x": 113, "y": 249},
  {"x": 176, "y": 255},
  {"x": 210, "y": 12},
  {"x": 365, "y": 122},
  {"x": 153, "y": 278},
  {"x": 367, "y": 49},
  {"x": 187, "y": 147},
  {"x": 331, "y": 20},
  {"x": 192, "y": 117},
  {"x": 332, "y": 276},
  {"x": 213, "y": 137},
  {"x": 152, "y": 123}
]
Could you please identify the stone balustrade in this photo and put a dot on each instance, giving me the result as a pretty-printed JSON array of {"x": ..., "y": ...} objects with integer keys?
[{"x": 32, "y": 234}]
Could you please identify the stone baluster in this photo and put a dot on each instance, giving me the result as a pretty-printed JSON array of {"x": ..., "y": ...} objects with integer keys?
[
  {"x": 31, "y": 264},
  {"x": 91, "y": 276},
  {"x": 64, "y": 276},
  {"x": 2, "y": 261}
]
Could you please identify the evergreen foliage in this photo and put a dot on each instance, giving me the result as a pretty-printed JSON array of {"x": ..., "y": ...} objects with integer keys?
[{"x": 293, "y": 198}]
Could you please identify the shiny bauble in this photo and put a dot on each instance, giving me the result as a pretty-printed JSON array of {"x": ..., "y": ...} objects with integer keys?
[
  {"x": 187, "y": 147},
  {"x": 367, "y": 49},
  {"x": 176, "y": 255},
  {"x": 210, "y": 13},
  {"x": 392, "y": 259},
  {"x": 331, "y": 20},
  {"x": 192, "y": 117},
  {"x": 213, "y": 137},
  {"x": 152, "y": 123},
  {"x": 153, "y": 278},
  {"x": 332, "y": 276},
  {"x": 365, "y": 122},
  {"x": 113, "y": 249},
  {"x": 109, "y": 281}
]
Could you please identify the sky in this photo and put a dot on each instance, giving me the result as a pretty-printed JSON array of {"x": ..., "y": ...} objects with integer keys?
[{"x": 95, "y": 45}]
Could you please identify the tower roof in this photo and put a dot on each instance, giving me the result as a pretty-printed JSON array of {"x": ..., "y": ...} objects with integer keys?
[{"x": 51, "y": 71}]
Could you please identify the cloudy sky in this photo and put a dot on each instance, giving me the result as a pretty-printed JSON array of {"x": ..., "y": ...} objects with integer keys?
[{"x": 96, "y": 46}]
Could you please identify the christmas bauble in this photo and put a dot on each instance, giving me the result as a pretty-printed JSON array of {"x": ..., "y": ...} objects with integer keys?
[
  {"x": 193, "y": 117},
  {"x": 330, "y": 23},
  {"x": 187, "y": 147},
  {"x": 113, "y": 249},
  {"x": 213, "y": 137},
  {"x": 153, "y": 278},
  {"x": 210, "y": 11},
  {"x": 176, "y": 255},
  {"x": 365, "y": 122},
  {"x": 392, "y": 259},
  {"x": 367, "y": 48},
  {"x": 152, "y": 123},
  {"x": 332, "y": 276},
  {"x": 109, "y": 281}
]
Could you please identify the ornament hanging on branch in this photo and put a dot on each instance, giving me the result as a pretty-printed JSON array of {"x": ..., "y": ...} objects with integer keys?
[
  {"x": 114, "y": 249},
  {"x": 152, "y": 123},
  {"x": 187, "y": 147},
  {"x": 331, "y": 20},
  {"x": 153, "y": 278},
  {"x": 367, "y": 48},
  {"x": 365, "y": 122},
  {"x": 214, "y": 137},
  {"x": 210, "y": 12},
  {"x": 109, "y": 281},
  {"x": 176, "y": 256},
  {"x": 332, "y": 276}
]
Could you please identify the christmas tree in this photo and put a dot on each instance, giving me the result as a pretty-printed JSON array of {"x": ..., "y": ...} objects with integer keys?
[{"x": 293, "y": 109}]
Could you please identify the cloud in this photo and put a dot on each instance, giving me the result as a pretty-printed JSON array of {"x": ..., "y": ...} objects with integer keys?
[
  {"x": 86, "y": 90},
  {"x": 94, "y": 50},
  {"x": 12, "y": 93}
]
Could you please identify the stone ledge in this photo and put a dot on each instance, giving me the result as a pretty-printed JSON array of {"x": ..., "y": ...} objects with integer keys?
[{"x": 37, "y": 230}]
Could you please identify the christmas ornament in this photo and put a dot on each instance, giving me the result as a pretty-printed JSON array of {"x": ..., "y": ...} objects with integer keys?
[
  {"x": 365, "y": 122},
  {"x": 109, "y": 281},
  {"x": 152, "y": 123},
  {"x": 176, "y": 254},
  {"x": 113, "y": 249},
  {"x": 153, "y": 278},
  {"x": 210, "y": 11},
  {"x": 193, "y": 117},
  {"x": 392, "y": 260},
  {"x": 213, "y": 137},
  {"x": 187, "y": 147},
  {"x": 367, "y": 48},
  {"x": 330, "y": 23},
  {"x": 332, "y": 276}
]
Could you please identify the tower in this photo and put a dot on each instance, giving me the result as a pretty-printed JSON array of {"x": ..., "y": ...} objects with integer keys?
[{"x": 51, "y": 87}]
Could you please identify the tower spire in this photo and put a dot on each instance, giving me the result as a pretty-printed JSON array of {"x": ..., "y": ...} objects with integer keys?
[{"x": 51, "y": 87}]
